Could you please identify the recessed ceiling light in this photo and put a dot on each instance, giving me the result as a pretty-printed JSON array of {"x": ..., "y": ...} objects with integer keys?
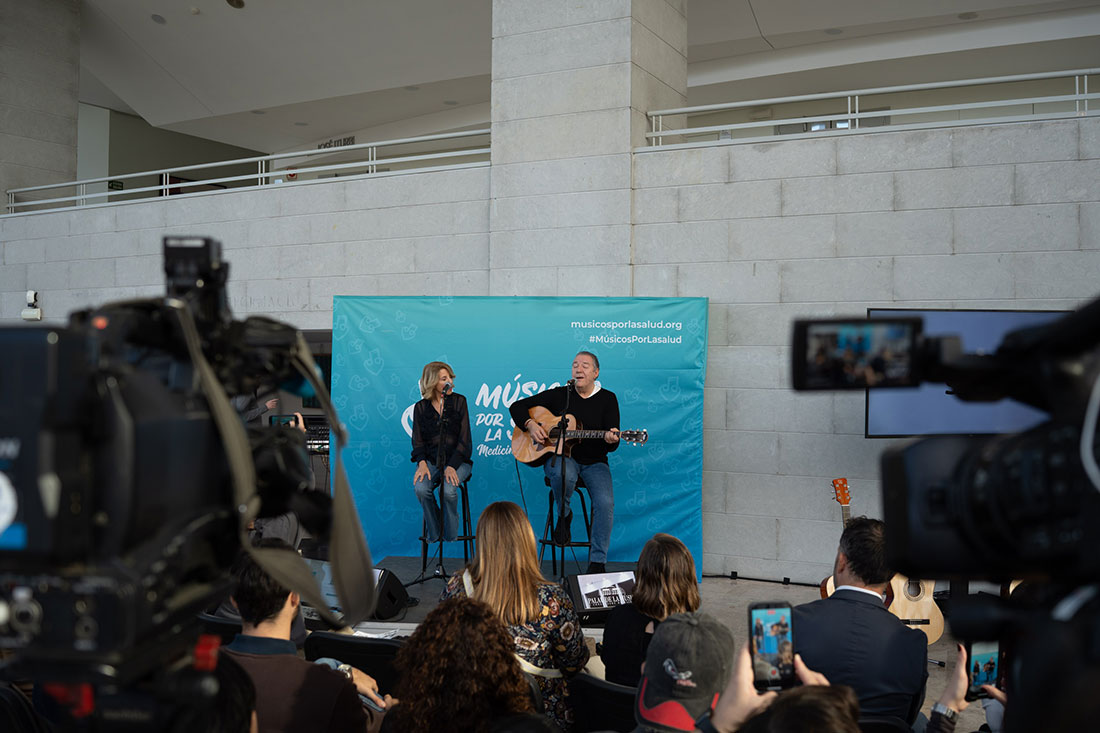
[
  {"x": 967, "y": 16},
  {"x": 833, "y": 31},
  {"x": 238, "y": 4},
  {"x": 412, "y": 88},
  {"x": 158, "y": 19},
  {"x": 449, "y": 102},
  {"x": 301, "y": 124},
  {"x": 259, "y": 112}
]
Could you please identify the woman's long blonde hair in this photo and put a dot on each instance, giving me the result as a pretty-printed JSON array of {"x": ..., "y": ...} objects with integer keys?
[
  {"x": 505, "y": 570},
  {"x": 665, "y": 579},
  {"x": 430, "y": 377}
]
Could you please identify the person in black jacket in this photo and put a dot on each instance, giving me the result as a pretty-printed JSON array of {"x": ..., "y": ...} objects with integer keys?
[
  {"x": 853, "y": 639},
  {"x": 665, "y": 584},
  {"x": 447, "y": 465},
  {"x": 594, "y": 408}
]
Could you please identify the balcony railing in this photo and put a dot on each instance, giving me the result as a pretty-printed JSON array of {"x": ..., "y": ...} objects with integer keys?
[
  {"x": 387, "y": 157},
  {"x": 1026, "y": 97}
]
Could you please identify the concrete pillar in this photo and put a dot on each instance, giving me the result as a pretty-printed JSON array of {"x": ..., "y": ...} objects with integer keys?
[
  {"x": 39, "y": 79},
  {"x": 571, "y": 85}
]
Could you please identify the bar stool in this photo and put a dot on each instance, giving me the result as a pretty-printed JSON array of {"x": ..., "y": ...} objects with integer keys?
[
  {"x": 548, "y": 533},
  {"x": 466, "y": 537}
]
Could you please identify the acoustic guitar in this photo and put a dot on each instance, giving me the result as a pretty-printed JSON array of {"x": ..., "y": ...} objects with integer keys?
[
  {"x": 844, "y": 498},
  {"x": 528, "y": 451},
  {"x": 914, "y": 605},
  {"x": 909, "y": 599}
]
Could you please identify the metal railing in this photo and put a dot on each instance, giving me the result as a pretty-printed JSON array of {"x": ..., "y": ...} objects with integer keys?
[
  {"x": 169, "y": 183},
  {"x": 854, "y": 116}
]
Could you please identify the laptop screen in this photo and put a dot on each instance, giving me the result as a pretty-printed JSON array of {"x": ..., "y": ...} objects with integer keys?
[{"x": 603, "y": 591}]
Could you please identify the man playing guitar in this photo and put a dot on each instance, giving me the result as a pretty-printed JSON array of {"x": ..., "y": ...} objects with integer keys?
[{"x": 596, "y": 409}]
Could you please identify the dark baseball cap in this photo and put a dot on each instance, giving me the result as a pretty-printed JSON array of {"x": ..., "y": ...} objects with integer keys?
[{"x": 686, "y": 668}]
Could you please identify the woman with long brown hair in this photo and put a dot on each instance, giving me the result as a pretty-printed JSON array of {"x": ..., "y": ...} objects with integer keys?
[
  {"x": 664, "y": 584},
  {"x": 441, "y": 449},
  {"x": 458, "y": 672},
  {"x": 539, "y": 615}
]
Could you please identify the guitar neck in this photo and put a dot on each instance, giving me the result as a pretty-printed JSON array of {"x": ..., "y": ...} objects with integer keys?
[
  {"x": 575, "y": 434},
  {"x": 845, "y": 514}
]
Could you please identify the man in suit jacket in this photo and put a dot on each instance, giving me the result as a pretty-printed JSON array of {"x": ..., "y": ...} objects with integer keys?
[{"x": 854, "y": 640}]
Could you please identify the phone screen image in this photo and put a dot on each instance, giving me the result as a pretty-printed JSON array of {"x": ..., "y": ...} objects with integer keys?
[
  {"x": 984, "y": 664},
  {"x": 772, "y": 645}
]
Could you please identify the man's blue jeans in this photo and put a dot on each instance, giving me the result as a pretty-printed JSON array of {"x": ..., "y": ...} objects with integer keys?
[
  {"x": 597, "y": 477},
  {"x": 425, "y": 492}
]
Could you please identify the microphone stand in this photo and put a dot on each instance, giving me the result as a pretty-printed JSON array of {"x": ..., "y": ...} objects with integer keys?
[
  {"x": 559, "y": 451},
  {"x": 440, "y": 464}
]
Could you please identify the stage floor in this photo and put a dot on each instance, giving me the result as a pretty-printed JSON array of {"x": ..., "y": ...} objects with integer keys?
[{"x": 407, "y": 569}]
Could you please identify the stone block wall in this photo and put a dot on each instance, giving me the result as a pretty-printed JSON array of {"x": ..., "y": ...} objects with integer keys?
[
  {"x": 290, "y": 250},
  {"x": 989, "y": 217},
  {"x": 1004, "y": 216},
  {"x": 39, "y": 76}
]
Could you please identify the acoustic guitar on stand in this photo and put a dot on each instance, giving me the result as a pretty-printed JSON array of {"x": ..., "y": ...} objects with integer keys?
[
  {"x": 908, "y": 599},
  {"x": 528, "y": 451}
]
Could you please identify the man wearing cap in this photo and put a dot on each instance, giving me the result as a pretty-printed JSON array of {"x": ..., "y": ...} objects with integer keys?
[{"x": 687, "y": 666}]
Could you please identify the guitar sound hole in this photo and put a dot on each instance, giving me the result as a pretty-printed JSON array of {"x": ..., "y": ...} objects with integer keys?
[{"x": 913, "y": 589}]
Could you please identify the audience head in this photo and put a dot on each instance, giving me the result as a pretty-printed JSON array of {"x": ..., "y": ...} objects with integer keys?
[
  {"x": 258, "y": 596},
  {"x": 808, "y": 709},
  {"x": 459, "y": 671},
  {"x": 506, "y": 569},
  {"x": 686, "y": 668},
  {"x": 863, "y": 543},
  {"x": 665, "y": 578},
  {"x": 429, "y": 378}
]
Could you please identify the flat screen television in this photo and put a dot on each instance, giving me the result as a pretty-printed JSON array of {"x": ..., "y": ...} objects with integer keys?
[{"x": 927, "y": 409}]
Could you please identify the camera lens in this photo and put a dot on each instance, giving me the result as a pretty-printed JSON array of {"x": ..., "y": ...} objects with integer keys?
[
  {"x": 86, "y": 628},
  {"x": 26, "y": 616}
]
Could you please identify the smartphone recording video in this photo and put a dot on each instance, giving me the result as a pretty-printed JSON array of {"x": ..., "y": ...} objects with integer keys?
[
  {"x": 854, "y": 354},
  {"x": 772, "y": 645},
  {"x": 984, "y": 658}
]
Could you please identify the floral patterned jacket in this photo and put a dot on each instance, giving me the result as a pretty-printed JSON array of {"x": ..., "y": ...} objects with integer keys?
[{"x": 553, "y": 641}]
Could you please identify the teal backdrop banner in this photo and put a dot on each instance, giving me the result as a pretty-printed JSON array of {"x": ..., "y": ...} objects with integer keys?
[{"x": 652, "y": 354}]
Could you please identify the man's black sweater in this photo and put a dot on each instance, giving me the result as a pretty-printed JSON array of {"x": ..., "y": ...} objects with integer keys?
[{"x": 599, "y": 411}]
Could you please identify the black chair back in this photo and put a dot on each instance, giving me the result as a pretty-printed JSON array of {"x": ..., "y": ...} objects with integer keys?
[
  {"x": 225, "y": 628},
  {"x": 373, "y": 656},
  {"x": 883, "y": 724},
  {"x": 536, "y": 692},
  {"x": 601, "y": 705}
]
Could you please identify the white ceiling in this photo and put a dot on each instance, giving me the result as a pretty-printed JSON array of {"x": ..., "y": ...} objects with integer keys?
[{"x": 282, "y": 74}]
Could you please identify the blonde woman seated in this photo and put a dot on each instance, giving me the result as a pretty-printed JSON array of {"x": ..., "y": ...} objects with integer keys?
[
  {"x": 539, "y": 615},
  {"x": 665, "y": 584}
]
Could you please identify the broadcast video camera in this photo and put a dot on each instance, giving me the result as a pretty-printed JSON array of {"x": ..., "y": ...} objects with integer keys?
[
  {"x": 1019, "y": 505},
  {"x": 128, "y": 481}
]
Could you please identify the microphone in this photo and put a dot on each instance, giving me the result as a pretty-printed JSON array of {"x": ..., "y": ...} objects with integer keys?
[
  {"x": 446, "y": 389},
  {"x": 571, "y": 382}
]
